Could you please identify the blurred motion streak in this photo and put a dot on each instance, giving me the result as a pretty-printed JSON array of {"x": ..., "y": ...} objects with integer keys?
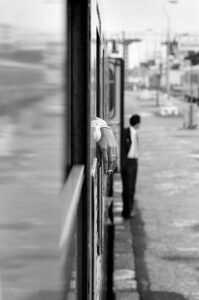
[{"x": 31, "y": 146}]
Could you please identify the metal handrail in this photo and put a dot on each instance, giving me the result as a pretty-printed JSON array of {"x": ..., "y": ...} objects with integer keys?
[{"x": 71, "y": 196}]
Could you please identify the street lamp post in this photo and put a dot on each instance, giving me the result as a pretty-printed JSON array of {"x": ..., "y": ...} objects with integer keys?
[
  {"x": 168, "y": 47},
  {"x": 168, "y": 52}
]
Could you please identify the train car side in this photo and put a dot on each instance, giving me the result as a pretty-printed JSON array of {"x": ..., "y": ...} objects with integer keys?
[
  {"x": 55, "y": 229},
  {"x": 190, "y": 80}
]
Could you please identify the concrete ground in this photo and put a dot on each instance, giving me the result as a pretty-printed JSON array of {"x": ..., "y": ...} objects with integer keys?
[{"x": 157, "y": 251}]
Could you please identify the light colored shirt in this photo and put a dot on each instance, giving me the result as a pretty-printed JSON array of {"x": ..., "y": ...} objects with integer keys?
[{"x": 133, "y": 151}]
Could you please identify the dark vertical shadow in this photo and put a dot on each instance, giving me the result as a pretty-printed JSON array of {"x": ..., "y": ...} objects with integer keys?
[
  {"x": 139, "y": 246},
  {"x": 142, "y": 276}
]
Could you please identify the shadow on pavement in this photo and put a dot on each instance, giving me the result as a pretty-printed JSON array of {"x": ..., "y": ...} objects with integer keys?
[
  {"x": 142, "y": 276},
  {"x": 139, "y": 246},
  {"x": 150, "y": 295},
  {"x": 48, "y": 295}
]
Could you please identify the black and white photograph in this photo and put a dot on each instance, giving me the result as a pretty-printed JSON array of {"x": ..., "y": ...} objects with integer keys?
[{"x": 99, "y": 150}]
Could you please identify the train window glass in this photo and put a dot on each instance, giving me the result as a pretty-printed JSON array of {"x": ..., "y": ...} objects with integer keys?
[
  {"x": 103, "y": 81},
  {"x": 111, "y": 93},
  {"x": 196, "y": 78},
  {"x": 192, "y": 78},
  {"x": 98, "y": 73},
  {"x": 31, "y": 144}
]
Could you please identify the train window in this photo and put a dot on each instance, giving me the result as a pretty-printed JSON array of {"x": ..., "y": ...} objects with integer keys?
[
  {"x": 103, "y": 81},
  {"x": 193, "y": 78},
  {"x": 98, "y": 76},
  {"x": 99, "y": 114},
  {"x": 31, "y": 144},
  {"x": 111, "y": 93}
]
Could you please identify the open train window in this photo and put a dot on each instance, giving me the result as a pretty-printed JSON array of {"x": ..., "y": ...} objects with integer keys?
[
  {"x": 98, "y": 74},
  {"x": 111, "y": 93}
]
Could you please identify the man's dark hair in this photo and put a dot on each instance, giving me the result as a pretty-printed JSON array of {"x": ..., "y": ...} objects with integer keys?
[{"x": 134, "y": 120}]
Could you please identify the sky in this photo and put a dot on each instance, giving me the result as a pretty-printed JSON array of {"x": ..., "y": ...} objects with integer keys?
[
  {"x": 149, "y": 17},
  {"x": 136, "y": 15},
  {"x": 125, "y": 15},
  {"x": 45, "y": 16}
]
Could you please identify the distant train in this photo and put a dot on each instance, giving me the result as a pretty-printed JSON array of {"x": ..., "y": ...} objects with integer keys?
[
  {"x": 55, "y": 230},
  {"x": 190, "y": 83}
]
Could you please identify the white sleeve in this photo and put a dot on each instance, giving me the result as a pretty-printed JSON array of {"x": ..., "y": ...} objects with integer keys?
[{"x": 98, "y": 123}]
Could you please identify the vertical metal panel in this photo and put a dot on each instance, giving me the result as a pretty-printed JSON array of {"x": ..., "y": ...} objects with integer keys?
[
  {"x": 80, "y": 127},
  {"x": 70, "y": 198}
]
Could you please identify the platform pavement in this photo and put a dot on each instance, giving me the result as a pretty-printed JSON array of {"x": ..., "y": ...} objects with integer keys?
[
  {"x": 166, "y": 130},
  {"x": 124, "y": 279}
]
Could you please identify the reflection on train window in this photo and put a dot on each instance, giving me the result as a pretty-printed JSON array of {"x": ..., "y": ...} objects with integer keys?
[
  {"x": 98, "y": 75},
  {"x": 194, "y": 78},
  {"x": 111, "y": 94},
  {"x": 31, "y": 145}
]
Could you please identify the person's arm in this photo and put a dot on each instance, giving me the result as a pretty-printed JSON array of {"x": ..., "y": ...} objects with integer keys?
[{"x": 105, "y": 139}]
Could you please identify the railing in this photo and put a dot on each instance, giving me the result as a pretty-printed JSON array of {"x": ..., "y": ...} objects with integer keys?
[{"x": 70, "y": 196}]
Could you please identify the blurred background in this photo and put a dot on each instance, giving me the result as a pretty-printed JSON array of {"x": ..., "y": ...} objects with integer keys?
[
  {"x": 158, "y": 39},
  {"x": 32, "y": 60}
]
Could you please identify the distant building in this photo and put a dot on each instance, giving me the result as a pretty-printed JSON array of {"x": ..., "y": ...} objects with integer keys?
[{"x": 187, "y": 43}]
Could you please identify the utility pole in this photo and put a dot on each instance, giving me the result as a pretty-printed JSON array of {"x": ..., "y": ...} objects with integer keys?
[
  {"x": 167, "y": 52},
  {"x": 168, "y": 47},
  {"x": 191, "y": 124}
]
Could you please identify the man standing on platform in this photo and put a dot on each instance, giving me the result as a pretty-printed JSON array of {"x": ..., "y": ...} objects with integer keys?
[{"x": 129, "y": 172}]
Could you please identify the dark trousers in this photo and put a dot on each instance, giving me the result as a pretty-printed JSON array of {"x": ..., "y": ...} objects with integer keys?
[{"x": 129, "y": 175}]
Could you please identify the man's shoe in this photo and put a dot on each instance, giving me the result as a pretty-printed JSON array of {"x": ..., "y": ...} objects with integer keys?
[{"x": 131, "y": 215}]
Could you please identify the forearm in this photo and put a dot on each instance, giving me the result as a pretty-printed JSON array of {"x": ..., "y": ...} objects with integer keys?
[{"x": 106, "y": 142}]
